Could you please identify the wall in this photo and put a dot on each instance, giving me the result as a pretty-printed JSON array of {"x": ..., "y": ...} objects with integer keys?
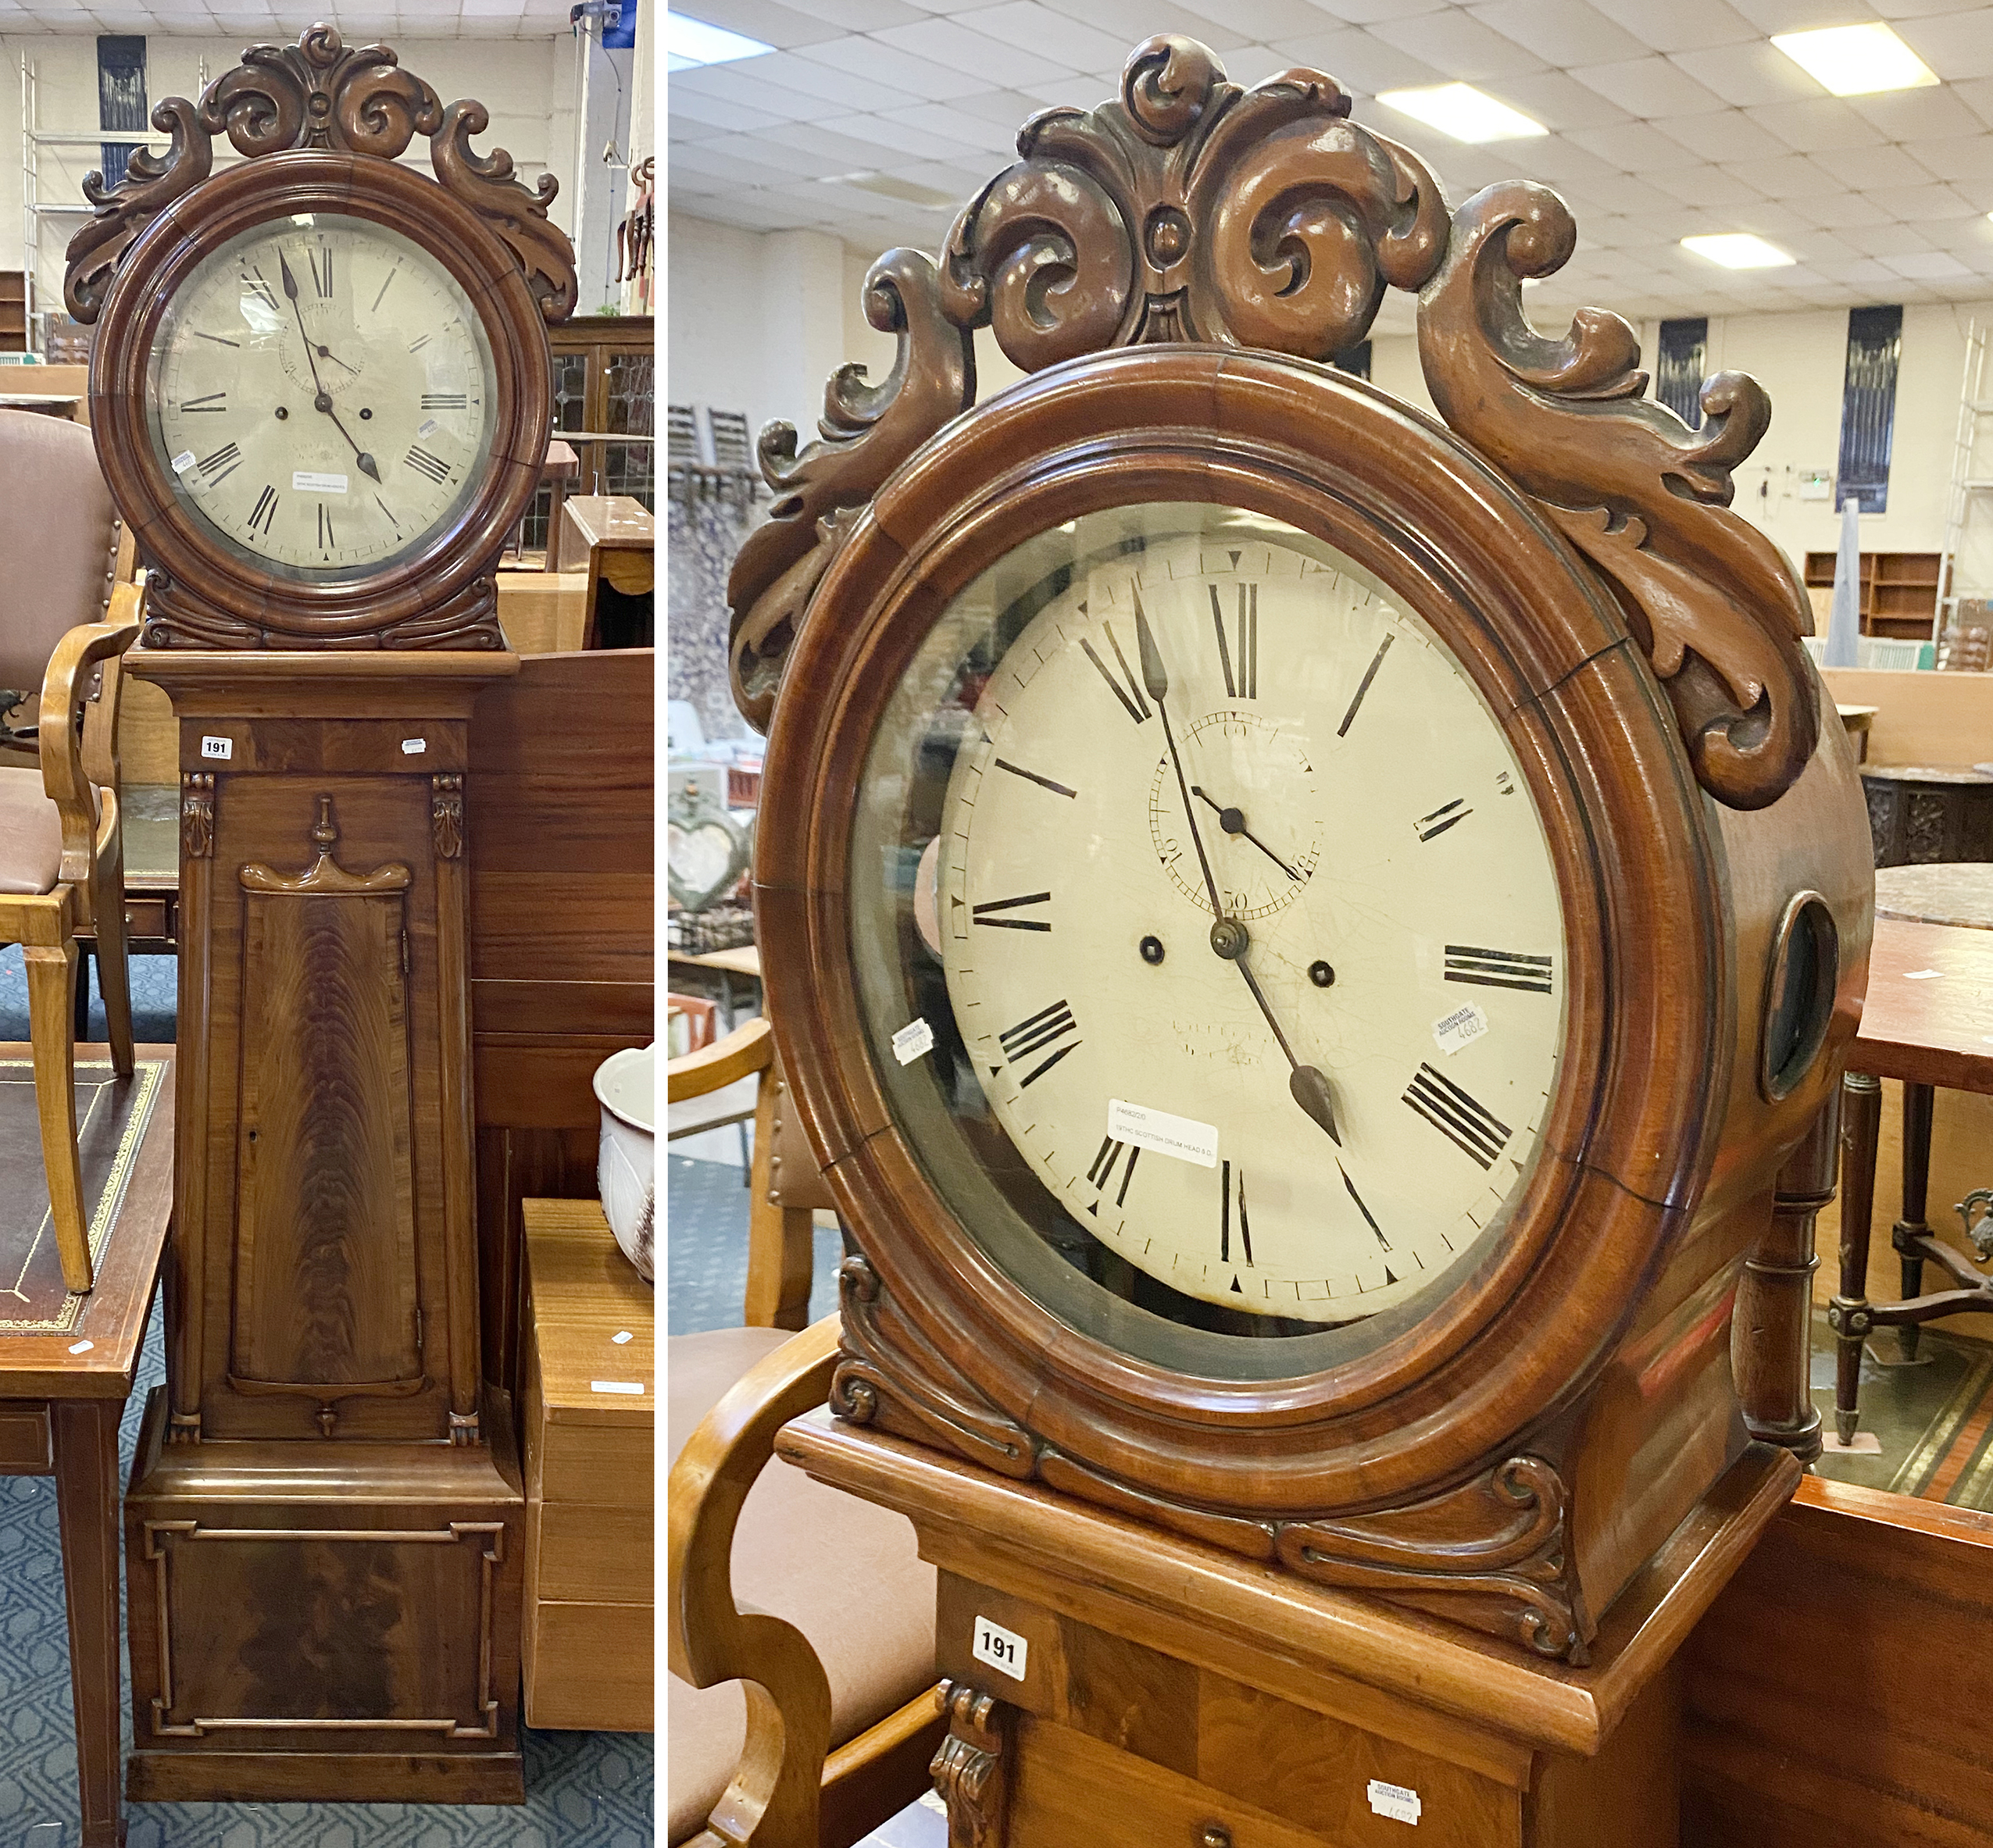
[{"x": 527, "y": 84}]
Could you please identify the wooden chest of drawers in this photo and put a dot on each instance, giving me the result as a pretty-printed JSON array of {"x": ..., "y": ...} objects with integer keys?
[{"x": 588, "y": 1460}]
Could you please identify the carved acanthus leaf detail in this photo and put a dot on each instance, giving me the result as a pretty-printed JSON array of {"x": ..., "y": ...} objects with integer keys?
[
  {"x": 1714, "y": 603},
  {"x": 517, "y": 214},
  {"x": 196, "y": 814},
  {"x": 446, "y": 815},
  {"x": 971, "y": 1768},
  {"x": 890, "y": 1375},
  {"x": 152, "y": 182},
  {"x": 867, "y": 431},
  {"x": 1500, "y": 1538},
  {"x": 319, "y": 93}
]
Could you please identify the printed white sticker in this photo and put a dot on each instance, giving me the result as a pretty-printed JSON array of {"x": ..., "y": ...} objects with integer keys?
[
  {"x": 183, "y": 461},
  {"x": 616, "y": 1385},
  {"x": 1394, "y": 1800},
  {"x": 1158, "y": 1130},
  {"x": 1922, "y": 974},
  {"x": 81, "y": 1346},
  {"x": 1003, "y": 1649},
  {"x": 305, "y": 481},
  {"x": 912, "y": 1040},
  {"x": 1463, "y": 1025},
  {"x": 414, "y": 747},
  {"x": 218, "y": 747},
  {"x": 428, "y": 427},
  {"x": 622, "y": 1335}
]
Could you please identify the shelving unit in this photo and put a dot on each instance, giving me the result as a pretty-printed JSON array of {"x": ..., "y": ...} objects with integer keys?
[
  {"x": 13, "y": 312},
  {"x": 1899, "y": 591}
]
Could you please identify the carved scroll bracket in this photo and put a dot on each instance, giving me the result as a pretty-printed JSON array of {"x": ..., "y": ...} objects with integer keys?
[
  {"x": 196, "y": 814},
  {"x": 446, "y": 815},
  {"x": 971, "y": 1768},
  {"x": 324, "y": 95},
  {"x": 1712, "y": 601}
]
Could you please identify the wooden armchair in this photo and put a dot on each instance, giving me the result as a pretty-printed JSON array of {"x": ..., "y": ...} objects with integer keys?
[
  {"x": 801, "y": 1620},
  {"x": 61, "y": 868}
]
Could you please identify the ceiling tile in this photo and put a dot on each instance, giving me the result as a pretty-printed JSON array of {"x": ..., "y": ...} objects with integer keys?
[
  {"x": 1928, "y": 266},
  {"x": 1887, "y": 240},
  {"x": 1918, "y": 114},
  {"x": 1727, "y": 135},
  {"x": 1705, "y": 186},
  {"x": 1557, "y": 101},
  {"x": 1909, "y": 205},
  {"x": 1359, "y": 61},
  {"x": 1133, "y": 21},
  {"x": 1636, "y": 147},
  {"x": 1812, "y": 126},
  {"x": 1976, "y": 95},
  {"x": 793, "y": 71},
  {"x": 870, "y": 58},
  {"x": 1962, "y": 158},
  {"x": 863, "y": 15},
  {"x": 1562, "y": 33},
  {"x": 1365, "y": 12},
  {"x": 729, "y": 83},
  {"x": 1803, "y": 16},
  {"x": 992, "y": 134},
  {"x": 1055, "y": 34},
  {"x": 1680, "y": 25},
  {"x": 1955, "y": 46},
  {"x": 1650, "y": 86},
  {"x": 773, "y": 24},
  {"x": 1559, "y": 160},
  {"x": 1836, "y": 211},
  {"x": 902, "y": 138},
  {"x": 971, "y": 53},
  {"x": 1460, "y": 46},
  {"x": 1869, "y": 168},
  {"x": 1623, "y": 193},
  {"x": 1791, "y": 177},
  {"x": 1747, "y": 74}
]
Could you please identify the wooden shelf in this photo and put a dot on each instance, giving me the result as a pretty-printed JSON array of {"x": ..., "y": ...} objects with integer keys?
[
  {"x": 1899, "y": 591},
  {"x": 13, "y": 311}
]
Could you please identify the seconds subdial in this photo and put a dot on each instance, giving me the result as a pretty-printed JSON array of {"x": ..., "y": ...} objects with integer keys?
[{"x": 1261, "y": 799}]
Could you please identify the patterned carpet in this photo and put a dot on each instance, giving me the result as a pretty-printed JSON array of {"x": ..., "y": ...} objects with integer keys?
[
  {"x": 707, "y": 1255},
  {"x": 583, "y": 1790}
]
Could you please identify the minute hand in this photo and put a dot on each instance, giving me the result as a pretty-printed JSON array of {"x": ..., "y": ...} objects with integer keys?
[
  {"x": 1157, "y": 683},
  {"x": 321, "y": 400}
]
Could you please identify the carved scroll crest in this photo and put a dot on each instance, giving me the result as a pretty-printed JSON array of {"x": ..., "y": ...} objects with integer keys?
[
  {"x": 319, "y": 93},
  {"x": 1712, "y": 601}
]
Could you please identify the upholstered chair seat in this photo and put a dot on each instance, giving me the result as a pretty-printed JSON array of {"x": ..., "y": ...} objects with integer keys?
[{"x": 30, "y": 835}]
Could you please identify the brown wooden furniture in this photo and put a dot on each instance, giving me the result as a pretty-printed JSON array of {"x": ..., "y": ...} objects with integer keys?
[
  {"x": 324, "y": 1422},
  {"x": 13, "y": 311},
  {"x": 61, "y": 843},
  {"x": 1155, "y": 1506},
  {"x": 66, "y": 1363},
  {"x": 562, "y": 931},
  {"x": 1899, "y": 591},
  {"x": 1920, "y": 813},
  {"x": 1857, "y": 722},
  {"x": 1928, "y": 1021},
  {"x": 586, "y": 1420},
  {"x": 603, "y": 373},
  {"x": 838, "y": 1719},
  {"x": 613, "y": 539}
]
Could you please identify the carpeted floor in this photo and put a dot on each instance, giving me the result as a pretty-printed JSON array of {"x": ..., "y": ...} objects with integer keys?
[
  {"x": 707, "y": 1254},
  {"x": 583, "y": 1790}
]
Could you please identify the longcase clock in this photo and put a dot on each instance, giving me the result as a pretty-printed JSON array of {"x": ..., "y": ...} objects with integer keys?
[
  {"x": 318, "y": 391},
  {"x": 1305, "y": 936}
]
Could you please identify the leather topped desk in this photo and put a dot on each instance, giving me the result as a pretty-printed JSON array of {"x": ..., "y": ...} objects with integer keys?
[{"x": 67, "y": 1362}]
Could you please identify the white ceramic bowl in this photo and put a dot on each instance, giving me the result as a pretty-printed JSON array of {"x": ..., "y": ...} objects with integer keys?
[{"x": 625, "y": 1170}]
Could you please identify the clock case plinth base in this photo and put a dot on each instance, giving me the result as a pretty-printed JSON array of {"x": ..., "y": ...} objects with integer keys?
[
  {"x": 278, "y": 1604},
  {"x": 1171, "y": 1687}
]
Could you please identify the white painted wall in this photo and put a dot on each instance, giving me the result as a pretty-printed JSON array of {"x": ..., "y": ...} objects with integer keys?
[{"x": 527, "y": 84}]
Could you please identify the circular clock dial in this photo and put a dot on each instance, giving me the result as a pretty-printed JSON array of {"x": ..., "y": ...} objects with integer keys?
[
  {"x": 1249, "y": 934},
  {"x": 322, "y": 395}
]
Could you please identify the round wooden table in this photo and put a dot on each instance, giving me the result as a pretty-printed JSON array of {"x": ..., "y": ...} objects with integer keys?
[
  {"x": 1953, "y": 892},
  {"x": 1920, "y": 813}
]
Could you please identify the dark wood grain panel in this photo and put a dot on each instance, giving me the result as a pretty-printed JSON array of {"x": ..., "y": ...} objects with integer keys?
[{"x": 602, "y": 930}]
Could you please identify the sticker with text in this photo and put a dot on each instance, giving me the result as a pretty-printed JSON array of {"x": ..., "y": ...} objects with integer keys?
[
  {"x": 185, "y": 460},
  {"x": 224, "y": 747},
  {"x": 428, "y": 427},
  {"x": 621, "y": 1335},
  {"x": 1004, "y": 1651},
  {"x": 616, "y": 1385},
  {"x": 1157, "y": 1129},
  {"x": 311, "y": 481},
  {"x": 1394, "y": 1800},
  {"x": 414, "y": 747},
  {"x": 1461, "y": 1028},
  {"x": 912, "y": 1040},
  {"x": 81, "y": 1346}
]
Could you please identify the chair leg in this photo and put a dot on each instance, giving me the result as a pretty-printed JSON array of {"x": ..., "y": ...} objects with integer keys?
[
  {"x": 113, "y": 960},
  {"x": 82, "y": 1008},
  {"x": 1917, "y": 1100},
  {"x": 51, "y": 984}
]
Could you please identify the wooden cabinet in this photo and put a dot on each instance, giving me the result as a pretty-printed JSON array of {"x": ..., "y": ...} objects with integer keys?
[
  {"x": 604, "y": 380},
  {"x": 1899, "y": 590},
  {"x": 588, "y": 1412},
  {"x": 13, "y": 311}
]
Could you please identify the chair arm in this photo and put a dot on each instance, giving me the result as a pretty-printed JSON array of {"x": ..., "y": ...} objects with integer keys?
[
  {"x": 777, "y": 1788},
  {"x": 66, "y": 691},
  {"x": 749, "y": 1047}
]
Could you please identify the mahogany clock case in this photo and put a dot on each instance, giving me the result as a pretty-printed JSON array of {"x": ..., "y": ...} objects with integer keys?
[
  {"x": 1661, "y": 1146},
  {"x": 201, "y": 594}
]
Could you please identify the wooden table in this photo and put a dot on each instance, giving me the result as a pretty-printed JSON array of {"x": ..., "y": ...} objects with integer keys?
[
  {"x": 1855, "y": 721},
  {"x": 67, "y": 1362},
  {"x": 1928, "y": 1021},
  {"x": 614, "y": 538},
  {"x": 1922, "y": 812},
  {"x": 586, "y": 1418},
  {"x": 744, "y": 962}
]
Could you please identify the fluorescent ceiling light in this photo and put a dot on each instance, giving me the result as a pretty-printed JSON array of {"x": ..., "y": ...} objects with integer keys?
[
  {"x": 1856, "y": 60},
  {"x": 689, "y": 43},
  {"x": 1738, "y": 250},
  {"x": 1463, "y": 111}
]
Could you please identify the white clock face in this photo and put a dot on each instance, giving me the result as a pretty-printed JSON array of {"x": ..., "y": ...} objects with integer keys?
[
  {"x": 1248, "y": 927},
  {"x": 322, "y": 393}
]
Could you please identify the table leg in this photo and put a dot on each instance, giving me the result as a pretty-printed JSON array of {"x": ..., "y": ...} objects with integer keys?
[
  {"x": 1917, "y": 1099},
  {"x": 86, "y": 1446},
  {"x": 1861, "y": 1122}
]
